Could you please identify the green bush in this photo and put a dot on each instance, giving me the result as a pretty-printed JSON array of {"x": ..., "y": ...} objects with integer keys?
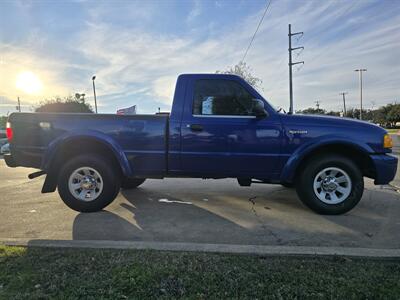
[{"x": 66, "y": 105}]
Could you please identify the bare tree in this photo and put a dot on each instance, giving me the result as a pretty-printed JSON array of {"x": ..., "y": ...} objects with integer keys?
[{"x": 243, "y": 70}]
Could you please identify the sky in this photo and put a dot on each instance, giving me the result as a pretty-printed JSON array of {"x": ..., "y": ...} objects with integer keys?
[{"x": 137, "y": 49}]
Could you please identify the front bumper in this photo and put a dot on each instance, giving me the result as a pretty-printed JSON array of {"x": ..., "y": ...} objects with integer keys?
[
  {"x": 10, "y": 160},
  {"x": 385, "y": 168}
]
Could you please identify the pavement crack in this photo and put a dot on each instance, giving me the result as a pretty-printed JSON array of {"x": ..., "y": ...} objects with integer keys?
[{"x": 263, "y": 226}]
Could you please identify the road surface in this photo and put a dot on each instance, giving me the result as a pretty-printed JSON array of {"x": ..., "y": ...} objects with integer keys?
[{"x": 198, "y": 211}]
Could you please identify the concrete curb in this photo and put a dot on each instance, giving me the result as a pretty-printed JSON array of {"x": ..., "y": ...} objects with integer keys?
[{"x": 216, "y": 248}]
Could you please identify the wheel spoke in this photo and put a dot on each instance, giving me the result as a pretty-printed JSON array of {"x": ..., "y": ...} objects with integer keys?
[
  {"x": 86, "y": 171},
  {"x": 78, "y": 176},
  {"x": 341, "y": 179},
  {"x": 82, "y": 194},
  {"x": 317, "y": 184},
  {"x": 76, "y": 186},
  {"x": 342, "y": 190},
  {"x": 333, "y": 172},
  {"x": 95, "y": 175},
  {"x": 334, "y": 198}
]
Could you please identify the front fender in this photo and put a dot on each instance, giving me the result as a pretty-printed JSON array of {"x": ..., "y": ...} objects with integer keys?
[
  {"x": 289, "y": 170},
  {"x": 57, "y": 144}
]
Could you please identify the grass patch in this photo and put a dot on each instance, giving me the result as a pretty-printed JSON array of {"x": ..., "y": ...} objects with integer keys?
[{"x": 120, "y": 274}]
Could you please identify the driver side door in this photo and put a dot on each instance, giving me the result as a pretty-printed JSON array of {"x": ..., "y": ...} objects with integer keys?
[{"x": 221, "y": 136}]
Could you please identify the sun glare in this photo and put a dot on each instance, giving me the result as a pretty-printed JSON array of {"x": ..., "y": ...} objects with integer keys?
[{"x": 28, "y": 83}]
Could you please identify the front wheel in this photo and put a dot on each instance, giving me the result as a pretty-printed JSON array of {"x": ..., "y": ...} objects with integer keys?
[
  {"x": 330, "y": 184},
  {"x": 88, "y": 183}
]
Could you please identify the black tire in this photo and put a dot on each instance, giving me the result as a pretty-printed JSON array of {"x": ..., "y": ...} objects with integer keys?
[
  {"x": 287, "y": 185},
  {"x": 305, "y": 184},
  {"x": 131, "y": 183},
  {"x": 110, "y": 178}
]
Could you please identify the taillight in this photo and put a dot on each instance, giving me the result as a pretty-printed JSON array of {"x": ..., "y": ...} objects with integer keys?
[{"x": 9, "y": 132}]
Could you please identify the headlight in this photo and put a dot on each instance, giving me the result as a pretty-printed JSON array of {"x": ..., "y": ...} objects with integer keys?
[{"x": 387, "y": 141}]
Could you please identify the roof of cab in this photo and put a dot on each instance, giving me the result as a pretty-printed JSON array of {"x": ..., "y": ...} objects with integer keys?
[{"x": 211, "y": 75}]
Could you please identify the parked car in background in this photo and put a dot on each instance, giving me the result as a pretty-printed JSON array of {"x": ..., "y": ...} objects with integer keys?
[
  {"x": 219, "y": 127},
  {"x": 3, "y": 134},
  {"x": 5, "y": 149},
  {"x": 3, "y": 141}
]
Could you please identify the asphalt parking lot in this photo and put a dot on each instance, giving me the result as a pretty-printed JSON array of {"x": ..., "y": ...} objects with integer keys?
[{"x": 198, "y": 211}]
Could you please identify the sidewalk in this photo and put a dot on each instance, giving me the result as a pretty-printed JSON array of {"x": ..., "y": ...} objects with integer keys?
[{"x": 214, "y": 248}]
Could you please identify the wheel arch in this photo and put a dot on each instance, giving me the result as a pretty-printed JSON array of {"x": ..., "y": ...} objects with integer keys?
[
  {"x": 356, "y": 152},
  {"x": 74, "y": 144}
]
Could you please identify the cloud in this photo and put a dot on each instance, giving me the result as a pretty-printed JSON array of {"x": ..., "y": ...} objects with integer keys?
[
  {"x": 164, "y": 88},
  {"x": 137, "y": 62},
  {"x": 195, "y": 12},
  {"x": 133, "y": 59}
]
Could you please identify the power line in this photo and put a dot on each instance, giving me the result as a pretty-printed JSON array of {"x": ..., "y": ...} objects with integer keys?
[{"x": 258, "y": 26}]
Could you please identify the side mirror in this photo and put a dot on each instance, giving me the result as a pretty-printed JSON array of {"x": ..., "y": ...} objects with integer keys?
[{"x": 258, "y": 109}]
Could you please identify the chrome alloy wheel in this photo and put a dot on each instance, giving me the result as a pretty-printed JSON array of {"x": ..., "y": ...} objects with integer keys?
[
  {"x": 332, "y": 185},
  {"x": 85, "y": 184}
]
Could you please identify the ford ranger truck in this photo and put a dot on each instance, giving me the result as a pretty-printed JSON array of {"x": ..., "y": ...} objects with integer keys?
[{"x": 219, "y": 127}]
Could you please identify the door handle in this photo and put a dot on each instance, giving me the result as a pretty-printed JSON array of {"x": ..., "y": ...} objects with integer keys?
[{"x": 195, "y": 127}]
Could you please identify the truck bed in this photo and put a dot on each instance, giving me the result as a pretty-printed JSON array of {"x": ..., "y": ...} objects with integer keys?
[{"x": 142, "y": 138}]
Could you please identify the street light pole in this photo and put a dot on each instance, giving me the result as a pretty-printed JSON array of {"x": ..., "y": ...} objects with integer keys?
[
  {"x": 19, "y": 105},
  {"x": 361, "y": 87},
  {"x": 94, "y": 93}
]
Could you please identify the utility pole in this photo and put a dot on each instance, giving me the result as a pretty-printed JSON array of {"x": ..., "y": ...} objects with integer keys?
[
  {"x": 19, "y": 105},
  {"x": 361, "y": 87},
  {"x": 292, "y": 64},
  {"x": 94, "y": 93},
  {"x": 344, "y": 102}
]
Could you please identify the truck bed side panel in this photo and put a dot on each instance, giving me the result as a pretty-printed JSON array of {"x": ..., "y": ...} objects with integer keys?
[{"x": 142, "y": 138}]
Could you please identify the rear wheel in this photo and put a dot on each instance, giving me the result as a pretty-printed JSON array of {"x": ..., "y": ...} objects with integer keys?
[
  {"x": 88, "y": 183},
  {"x": 131, "y": 183},
  {"x": 330, "y": 184},
  {"x": 288, "y": 185}
]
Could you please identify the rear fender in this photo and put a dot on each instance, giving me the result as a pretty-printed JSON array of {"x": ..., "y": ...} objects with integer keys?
[
  {"x": 50, "y": 155},
  {"x": 290, "y": 168}
]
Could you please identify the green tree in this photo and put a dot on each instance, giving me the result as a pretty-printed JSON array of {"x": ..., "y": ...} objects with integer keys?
[
  {"x": 66, "y": 104},
  {"x": 355, "y": 114},
  {"x": 380, "y": 116},
  {"x": 333, "y": 113},
  {"x": 393, "y": 115},
  {"x": 312, "y": 111},
  {"x": 244, "y": 71}
]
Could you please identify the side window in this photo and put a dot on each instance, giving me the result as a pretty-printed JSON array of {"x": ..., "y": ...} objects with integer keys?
[{"x": 221, "y": 97}]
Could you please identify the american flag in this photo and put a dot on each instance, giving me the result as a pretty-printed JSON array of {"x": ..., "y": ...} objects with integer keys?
[{"x": 127, "y": 111}]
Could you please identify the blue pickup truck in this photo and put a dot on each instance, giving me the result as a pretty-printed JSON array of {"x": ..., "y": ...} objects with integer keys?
[{"x": 219, "y": 127}]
